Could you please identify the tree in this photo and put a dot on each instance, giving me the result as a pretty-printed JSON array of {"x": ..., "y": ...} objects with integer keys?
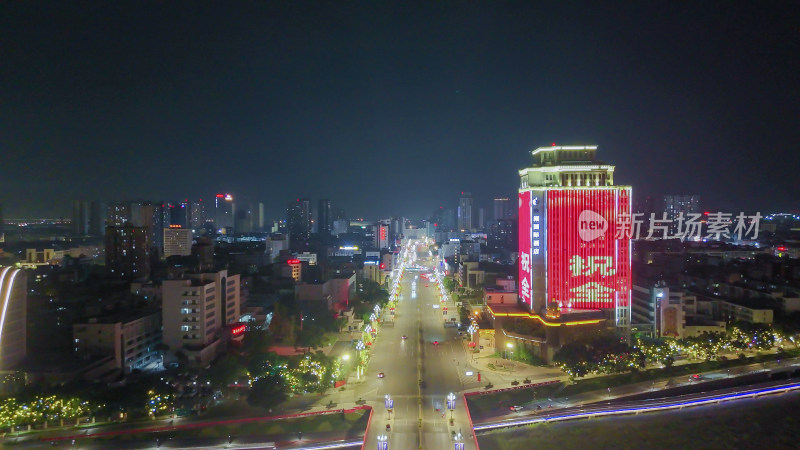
[
  {"x": 256, "y": 341},
  {"x": 226, "y": 371},
  {"x": 263, "y": 364},
  {"x": 449, "y": 284},
  {"x": 267, "y": 392}
]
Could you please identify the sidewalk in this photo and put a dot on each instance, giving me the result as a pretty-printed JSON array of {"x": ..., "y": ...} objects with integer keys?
[{"x": 505, "y": 371}]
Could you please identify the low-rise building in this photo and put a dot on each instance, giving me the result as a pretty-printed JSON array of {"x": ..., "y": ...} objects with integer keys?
[
  {"x": 739, "y": 311},
  {"x": 132, "y": 339}
]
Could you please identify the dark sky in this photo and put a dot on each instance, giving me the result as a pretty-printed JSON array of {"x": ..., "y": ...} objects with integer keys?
[{"x": 393, "y": 108}]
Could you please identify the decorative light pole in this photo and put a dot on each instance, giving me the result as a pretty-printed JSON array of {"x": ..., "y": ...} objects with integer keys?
[
  {"x": 359, "y": 347},
  {"x": 383, "y": 442},
  {"x": 451, "y": 404},
  {"x": 388, "y": 401},
  {"x": 459, "y": 444}
]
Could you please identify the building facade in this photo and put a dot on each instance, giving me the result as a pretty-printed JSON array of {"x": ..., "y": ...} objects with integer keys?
[
  {"x": 298, "y": 222},
  {"x": 191, "y": 319},
  {"x": 177, "y": 242},
  {"x": 13, "y": 323},
  {"x": 224, "y": 211},
  {"x": 133, "y": 340},
  {"x": 80, "y": 218},
  {"x": 127, "y": 252},
  {"x": 572, "y": 255},
  {"x": 324, "y": 222},
  {"x": 465, "y": 213}
]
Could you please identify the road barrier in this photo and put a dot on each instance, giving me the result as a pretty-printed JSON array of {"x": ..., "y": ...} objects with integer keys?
[
  {"x": 188, "y": 426},
  {"x": 512, "y": 388}
]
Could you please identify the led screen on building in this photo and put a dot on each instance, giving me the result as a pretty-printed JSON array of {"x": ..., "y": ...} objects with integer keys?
[
  {"x": 525, "y": 278},
  {"x": 587, "y": 266}
]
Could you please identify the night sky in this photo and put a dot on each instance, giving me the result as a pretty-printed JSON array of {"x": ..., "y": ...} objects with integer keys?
[{"x": 393, "y": 108}]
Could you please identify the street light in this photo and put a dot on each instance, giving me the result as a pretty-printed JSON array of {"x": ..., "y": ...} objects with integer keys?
[
  {"x": 383, "y": 443},
  {"x": 459, "y": 444},
  {"x": 451, "y": 403},
  {"x": 345, "y": 357},
  {"x": 359, "y": 347}
]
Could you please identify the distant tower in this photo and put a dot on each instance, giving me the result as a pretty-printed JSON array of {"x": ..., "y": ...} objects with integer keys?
[
  {"x": 502, "y": 208},
  {"x": 98, "y": 211},
  {"x": 128, "y": 252},
  {"x": 224, "y": 210},
  {"x": 80, "y": 218},
  {"x": 324, "y": 222},
  {"x": 298, "y": 222},
  {"x": 197, "y": 214},
  {"x": 465, "y": 212}
]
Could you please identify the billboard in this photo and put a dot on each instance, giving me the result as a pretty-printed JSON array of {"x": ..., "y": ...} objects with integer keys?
[
  {"x": 383, "y": 236},
  {"x": 587, "y": 266},
  {"x": 524, "y": 260}
]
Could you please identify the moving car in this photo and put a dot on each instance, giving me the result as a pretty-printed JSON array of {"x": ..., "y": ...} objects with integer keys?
[
  {"x": 380, "y": 375},
  {"x": 404, "y": 337},
  {"x": 515, "y": 408},
  {"x": 435, "y": 342}
]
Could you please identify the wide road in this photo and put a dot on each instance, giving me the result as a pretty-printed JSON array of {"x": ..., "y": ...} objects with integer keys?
[{"x": 405, "y": 362}]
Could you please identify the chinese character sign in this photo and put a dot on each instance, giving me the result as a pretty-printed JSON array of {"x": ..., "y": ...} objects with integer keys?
[
  {"x": 714, "y": 226},
  {"x": 588, "y": 259},
  {"x": 525, "y": 248}
]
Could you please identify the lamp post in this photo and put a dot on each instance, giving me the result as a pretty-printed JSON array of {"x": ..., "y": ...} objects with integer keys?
[
  {"x": 388, "y": 401},
  {"x": 451, "y": 404},
  {"x": 459, "y": 444},
  {"x": 383, "y": 442},
  {"x": 359, "y": 347}
]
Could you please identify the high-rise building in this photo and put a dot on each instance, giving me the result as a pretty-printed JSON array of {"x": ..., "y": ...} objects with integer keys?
[
  {"x": 127, "y": 251},
  {"x": 675, "y": 205},
  {"x": 13, "y": 326},
  {"x": 2, "y": 226},
  {"x": 465, "y": 212},
  {"x": 177, "y": 241},
  {"x": 246, "y": 218},
  {"x": 197, "y": 214},
  {"x": 502, "y": 234},
  {"x": 179, "y": 213},
  {"x": 502, "y": 208},
  {"x": 224, "y": 211},
  {"x": 196, "y": 309},
  {"x": 119, "y": 213},
  {"x": 481, "y": 218},
  {"x": 298, "y": 222},
  {"x": 98, "y": 212},
  {"x": 80, "y": 218},
  {"x": 572, "y": 254},
  {"x": 191, "y": 319},
  {"x": 382, "y": 234},
  {"x": 324, "y": 222}
]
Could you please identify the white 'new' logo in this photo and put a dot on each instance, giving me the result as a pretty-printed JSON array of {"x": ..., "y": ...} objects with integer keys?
[{"x": 591, "y": 225}]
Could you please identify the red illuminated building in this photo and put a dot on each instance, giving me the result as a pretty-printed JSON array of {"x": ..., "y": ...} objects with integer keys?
[{"x": 574, "y": 253}]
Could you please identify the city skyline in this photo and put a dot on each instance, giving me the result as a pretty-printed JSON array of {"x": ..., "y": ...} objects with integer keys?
[{"x": 275, "y": 102}]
